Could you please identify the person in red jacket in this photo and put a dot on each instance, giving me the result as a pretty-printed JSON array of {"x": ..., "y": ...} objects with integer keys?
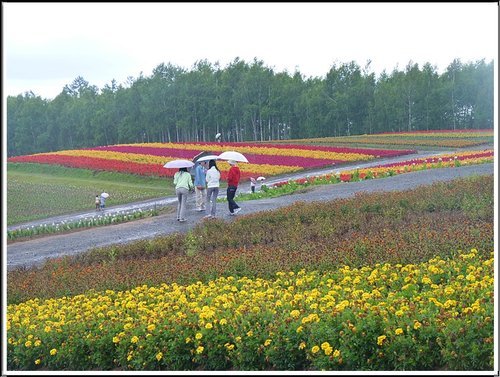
[{"x": 233, "y": 179}]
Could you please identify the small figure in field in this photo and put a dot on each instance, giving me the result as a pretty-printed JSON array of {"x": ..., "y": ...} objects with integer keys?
[
  {"x": 97, "y": 203},
  {"x": 252, "y": 184},
  {"x": 104, "y": 195}
]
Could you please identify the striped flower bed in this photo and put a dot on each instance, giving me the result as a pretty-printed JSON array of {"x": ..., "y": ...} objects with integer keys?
[
  {"x": 149, "y": 158},
  {"x": 438, "y": 138}
]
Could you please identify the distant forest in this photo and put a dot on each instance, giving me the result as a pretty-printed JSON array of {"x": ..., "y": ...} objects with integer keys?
[{"x": 250, "y": 102}]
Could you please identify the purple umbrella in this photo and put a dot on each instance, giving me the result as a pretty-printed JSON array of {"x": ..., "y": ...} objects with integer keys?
[{"x": 176, "y": 164}]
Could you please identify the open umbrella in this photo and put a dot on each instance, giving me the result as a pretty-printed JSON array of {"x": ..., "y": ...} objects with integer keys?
[
  {"x": 232, "y": 155},
  {"x": 260, "y": 178},
  {"x": 176, "y": 164},
  {"x": 207, "y": 158},
  {"x": 200, "y": 155},
  {"x": 104, "y": 195}
]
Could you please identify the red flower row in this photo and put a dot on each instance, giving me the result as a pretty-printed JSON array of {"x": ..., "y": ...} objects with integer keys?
[{"x": 106, "y": 165}]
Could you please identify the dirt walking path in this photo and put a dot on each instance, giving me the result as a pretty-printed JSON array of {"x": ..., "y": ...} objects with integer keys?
[{"x": 37, "y": 251}]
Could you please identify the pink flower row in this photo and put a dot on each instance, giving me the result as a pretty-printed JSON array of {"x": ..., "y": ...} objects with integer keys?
[
  {"x": 305, "y": 162},
  {"x": 367, "y": 151}
]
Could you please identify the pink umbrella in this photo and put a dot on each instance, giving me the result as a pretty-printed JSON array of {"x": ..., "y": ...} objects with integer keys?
[{"x": 176, "y": 164}]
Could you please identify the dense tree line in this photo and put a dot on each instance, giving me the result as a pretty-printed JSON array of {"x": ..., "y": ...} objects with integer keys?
[{"x": 250, "y": 102}]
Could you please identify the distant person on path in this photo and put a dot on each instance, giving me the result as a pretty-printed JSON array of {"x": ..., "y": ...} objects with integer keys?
[
  {"x": 183, "y": 184},
  {"x": 103, "y": 201},
  {"x": 252, "y": 184},
  {"x": 213, "y": 183},
  {"x": 97, "y": 203},
  {"x": 200, "y": 186},
  {"x": 233, "y": 179}
]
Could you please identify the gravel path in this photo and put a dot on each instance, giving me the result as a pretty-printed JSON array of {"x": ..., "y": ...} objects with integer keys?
[{"x": 37, "y": 251}]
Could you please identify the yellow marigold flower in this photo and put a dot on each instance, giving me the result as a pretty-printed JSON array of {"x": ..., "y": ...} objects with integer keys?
[
  {"x": 315, "y": 349},
  {"x": 47, "y": 329},
  {"x": 209, "y": 325},
  {"x": 53, "y": 351},
  {"x": 417, "y": 325},
  {"x": 238, "y": 338},
  {"x": 399, "y": 313},
  {"x": 159, "y": 356},
  {"x": 399, "y": 331},
  {"x": 426, "y": 280},
  {"x": 38, "y": 342},
  {"x": 37, "y": 361},
  {"x": 267, "y": 342},
  {"x": 299, "y": 329},
  {"x": 250, "y": 333},
  {"x": 336, "y": 353},
  {"x": 302, "y": 345},
  {"x": 200, "y": 349},
  {"x": 198, "y": 336},
  {"x": 116, "y": 339},
  {"x": 380, "y": 339},
  {"x": 151, "y": 327},
  {"x": 28, "y": 343},
  {"x": 223, "y": 321},
  {"x": 325, "y": 345},
  {"x": 449, "y": 291},
  {"x": 328, "y": 351},
  {"x": 295, "y": 313},
  {"x": 134, "y": 339}
]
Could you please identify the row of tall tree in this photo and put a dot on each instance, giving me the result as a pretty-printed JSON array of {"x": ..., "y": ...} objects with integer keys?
[{"x": 250, "y": 102}]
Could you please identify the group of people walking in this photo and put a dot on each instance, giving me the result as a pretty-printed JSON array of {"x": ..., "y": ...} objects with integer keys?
[{"x": 206, "y": 187}]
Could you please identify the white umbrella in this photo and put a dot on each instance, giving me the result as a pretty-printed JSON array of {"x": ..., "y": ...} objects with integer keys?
[
  {"x": 232, "y": 155},
  {"x": 260, "y": 178},
  {"x": 104, "y": 195},
  {"x": 207, "y": 158},
  {"x": 176, "y": 164}
]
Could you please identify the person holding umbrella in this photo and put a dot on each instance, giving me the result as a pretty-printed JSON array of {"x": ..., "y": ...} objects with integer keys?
[
  {"x": 233, "y": 179},
  {"x": 104, "y": 195},
  {"x": 183, "y": 184}
]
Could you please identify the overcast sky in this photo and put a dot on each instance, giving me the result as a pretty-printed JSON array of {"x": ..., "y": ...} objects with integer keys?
[{"x": 47, "y": 45}]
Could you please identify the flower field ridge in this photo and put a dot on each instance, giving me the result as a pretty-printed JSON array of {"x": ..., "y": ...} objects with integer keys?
[{"x": 149, "y": 158}]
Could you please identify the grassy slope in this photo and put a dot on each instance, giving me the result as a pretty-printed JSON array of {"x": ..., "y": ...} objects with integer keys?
[{"x": 36, "y": 191}]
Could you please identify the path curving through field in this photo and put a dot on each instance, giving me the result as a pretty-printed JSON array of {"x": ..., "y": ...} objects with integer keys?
[{"x": 37, "y": 251}]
